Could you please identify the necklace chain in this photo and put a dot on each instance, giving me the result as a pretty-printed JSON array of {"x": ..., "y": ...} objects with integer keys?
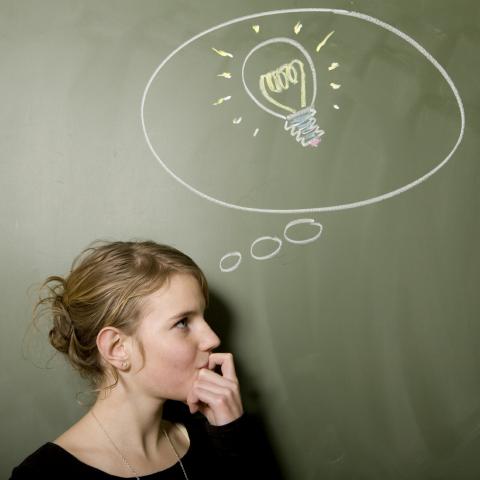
[{"x": 137, "y": 475}]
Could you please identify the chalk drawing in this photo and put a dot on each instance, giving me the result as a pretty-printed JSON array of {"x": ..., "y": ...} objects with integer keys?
[
  {"x": 324, "y": 41},
  {"x": 280, "y": 79},
  {"x": 269, "y": 255},
  {"x": 221, "y": 100},
  {"x": 301, "y": 122},
  {"x": 310, "y": 221},
  {"x": 222, "y": 53},
  {"x": 278, "y": 241},
  {"x": 336, "y": 207},
  {"x": 235, "y": 265}
]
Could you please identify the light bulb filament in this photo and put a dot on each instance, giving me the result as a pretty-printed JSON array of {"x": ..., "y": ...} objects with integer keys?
[{"x": 280, "y": 79}]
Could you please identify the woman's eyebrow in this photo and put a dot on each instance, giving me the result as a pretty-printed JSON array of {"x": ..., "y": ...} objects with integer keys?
[{"x": 186, "y": 313}]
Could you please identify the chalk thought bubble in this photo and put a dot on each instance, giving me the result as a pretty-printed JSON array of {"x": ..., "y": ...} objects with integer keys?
[{"x": 376, "y": 114}]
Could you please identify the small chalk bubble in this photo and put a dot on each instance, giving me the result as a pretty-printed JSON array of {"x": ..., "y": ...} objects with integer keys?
[
  {"x": 256, "y": 28},
  {"x": 335, "y": 86},
  {"x": 255, "y": 132},
  {"x": 333, "y": 66},
  {"x": 336, "y": 107},
  {"x": 236, "y": 121},
  {"x": 232, "y": 267},
  {"x": 297, "y": 28}
]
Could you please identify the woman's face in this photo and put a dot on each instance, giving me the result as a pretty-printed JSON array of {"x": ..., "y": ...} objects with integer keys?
[{"x": 176, "y": 338}]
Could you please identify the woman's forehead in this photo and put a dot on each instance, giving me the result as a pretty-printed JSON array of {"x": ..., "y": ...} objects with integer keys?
[{"x": 179, "y": 291}]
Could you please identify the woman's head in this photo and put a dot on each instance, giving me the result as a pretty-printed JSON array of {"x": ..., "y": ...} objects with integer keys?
[{"x": 108, "y": 286}]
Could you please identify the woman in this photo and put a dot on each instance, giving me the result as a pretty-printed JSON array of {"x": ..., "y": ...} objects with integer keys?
[{"x": 130, "y": 318}]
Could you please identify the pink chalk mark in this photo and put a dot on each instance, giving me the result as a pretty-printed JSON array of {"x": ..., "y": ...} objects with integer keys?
[{"x": 314, "y": 142}]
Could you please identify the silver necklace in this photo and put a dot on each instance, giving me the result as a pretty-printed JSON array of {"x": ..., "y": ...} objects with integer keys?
[{"x": 137, "y": 475}]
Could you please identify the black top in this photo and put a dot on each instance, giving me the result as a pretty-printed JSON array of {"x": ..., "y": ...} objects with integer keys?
[{"x": 215, "y": 452}]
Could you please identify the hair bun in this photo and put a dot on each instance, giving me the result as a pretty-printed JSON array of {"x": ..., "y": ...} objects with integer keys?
[{"x": 62, "y": 330}]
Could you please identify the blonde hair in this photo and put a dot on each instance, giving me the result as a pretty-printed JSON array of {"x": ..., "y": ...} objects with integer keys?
[{"x": 105, "y": 287}]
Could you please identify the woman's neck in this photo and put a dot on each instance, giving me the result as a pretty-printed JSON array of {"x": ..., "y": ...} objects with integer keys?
[{"x": 133, "y": 422}]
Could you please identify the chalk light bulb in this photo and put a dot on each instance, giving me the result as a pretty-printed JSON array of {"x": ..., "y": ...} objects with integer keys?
[{"x": 299, "y": 119}]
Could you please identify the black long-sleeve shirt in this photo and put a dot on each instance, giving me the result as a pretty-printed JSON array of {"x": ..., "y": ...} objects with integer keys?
[{"x": 215, "y": 452}]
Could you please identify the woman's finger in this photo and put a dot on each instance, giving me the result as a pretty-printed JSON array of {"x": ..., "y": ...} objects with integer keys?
[
  {"x": 219, "y": 409},
  {"x": 211, "y": 376},
  {"x": 213, "y": 388},
  {"x": 225, "y": 361}
]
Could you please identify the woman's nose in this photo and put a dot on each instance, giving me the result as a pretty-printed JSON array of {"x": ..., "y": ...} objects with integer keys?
[{"x": 210, "y": 339}]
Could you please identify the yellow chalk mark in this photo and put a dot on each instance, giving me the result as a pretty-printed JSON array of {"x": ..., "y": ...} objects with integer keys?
[
  {"x": 222, "y": 53},
  {"x": 335, "y": 86},
  {"x": 221, "y": 100},
  {"x": 336, "y": 107},
  {"x": 333, "y": 66},
  {"x": 297, "y": 28},
  {"x": 281, "y": 79},
  {"x": 255, "y": 132},
  {"x": 324, "y": 41},
  {"x": 225, "y": 75},
  {"x": 236, "y": 121},
  {"x": 256, "y": 28}
]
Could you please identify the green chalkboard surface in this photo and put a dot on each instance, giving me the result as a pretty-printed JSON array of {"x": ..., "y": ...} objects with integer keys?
[{"x": 319, "y": 161}]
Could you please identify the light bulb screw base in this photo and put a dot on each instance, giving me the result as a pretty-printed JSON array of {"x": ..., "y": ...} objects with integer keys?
[{"x": 303, "y": 126}]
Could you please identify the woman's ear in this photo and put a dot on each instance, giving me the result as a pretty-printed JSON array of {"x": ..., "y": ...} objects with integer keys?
[{"x": 111, "y": 344}]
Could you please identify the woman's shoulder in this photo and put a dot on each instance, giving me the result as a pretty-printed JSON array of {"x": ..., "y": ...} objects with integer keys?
[{"x": 44, "y": 460}]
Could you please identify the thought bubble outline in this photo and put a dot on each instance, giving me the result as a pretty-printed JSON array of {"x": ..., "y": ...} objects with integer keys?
[{"x": 344, "y": 206}]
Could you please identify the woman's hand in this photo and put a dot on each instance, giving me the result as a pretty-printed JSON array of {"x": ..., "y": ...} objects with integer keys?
[{"x": 217, "y": 396}]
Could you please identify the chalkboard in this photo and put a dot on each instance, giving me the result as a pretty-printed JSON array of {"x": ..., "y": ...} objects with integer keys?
[{"x": 318, "y": 160}]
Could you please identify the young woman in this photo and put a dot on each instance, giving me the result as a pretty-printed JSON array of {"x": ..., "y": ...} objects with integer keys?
[{"x": 130, "y": 318}]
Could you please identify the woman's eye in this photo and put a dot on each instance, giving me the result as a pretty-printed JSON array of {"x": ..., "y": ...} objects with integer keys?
[{"x": 182, "y": 323}]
